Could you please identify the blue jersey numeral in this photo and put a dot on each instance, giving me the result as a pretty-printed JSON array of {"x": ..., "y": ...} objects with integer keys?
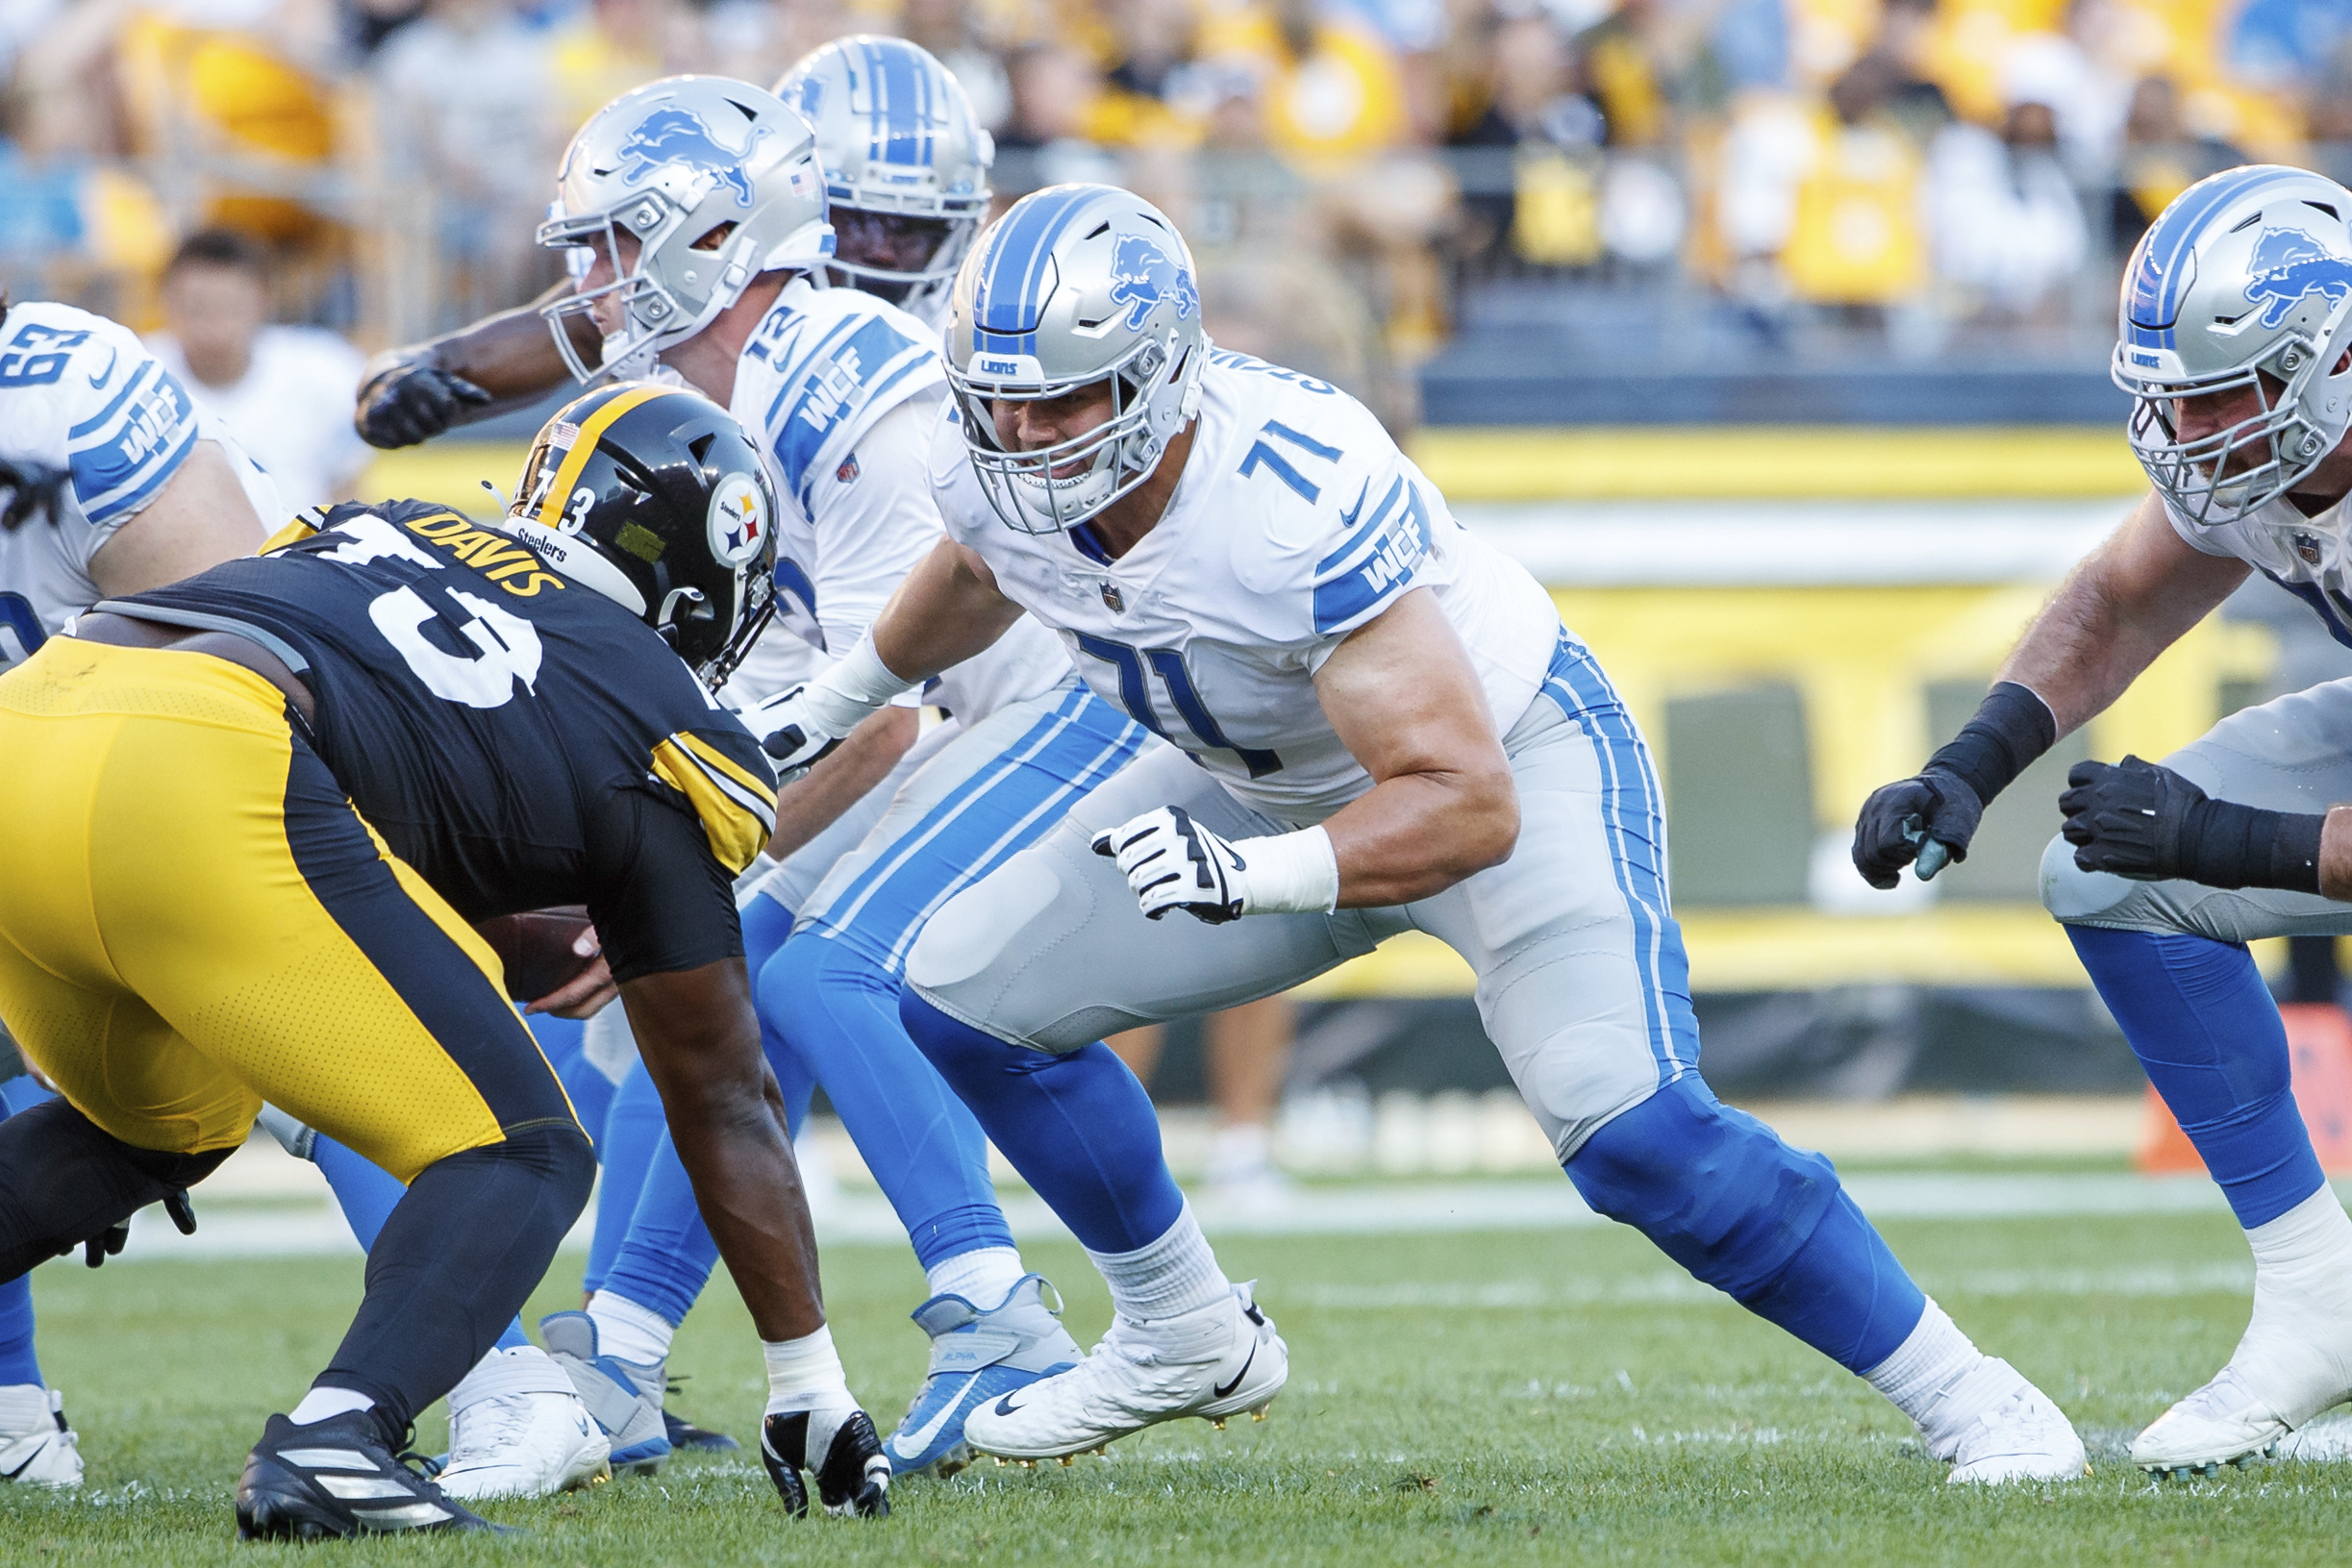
[
  {"x": 21, "y": 366},
  {"x": 1167, "y": 664},
  {"x": 1262, "y": 453},
  {"x": 20, "y": 629}
]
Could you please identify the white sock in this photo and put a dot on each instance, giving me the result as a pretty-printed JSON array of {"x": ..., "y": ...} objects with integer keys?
[
  {"x": 983, "y": 1277},
  {"x": 2309, "y": 1247},
  {"x": 628, "y": 1332},
  {"x": 525, "y": 1369},
  {"x": 805, "y": 1374},
  {"x": 325, "y": 1403},
  {"x": 1174, "y": 1274},
  {"x": 1941, "y": 1381}
]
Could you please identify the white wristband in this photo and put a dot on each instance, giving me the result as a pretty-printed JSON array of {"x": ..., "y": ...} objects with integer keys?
[
  {"x": 853, "y": 687},
  {"x": 1289, "y": 873}
]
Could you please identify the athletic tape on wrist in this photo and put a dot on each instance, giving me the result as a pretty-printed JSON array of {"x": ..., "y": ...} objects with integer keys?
[
  {"x": 1289, "y": 873},
  {"x": 2012, "y": 727}
]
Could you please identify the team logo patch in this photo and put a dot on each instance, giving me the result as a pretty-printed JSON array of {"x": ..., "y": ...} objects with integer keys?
[
  {"x": 739, "y": 519},
  {"x": 848, "y": 473},
  {"x": 679, "y": 135},
  {"x": 1114, "y": 600},
  {"x": 2308, "y": 548},
  {"x": 2289, "y": 266},
  {"x": 1142, "y": 276}
]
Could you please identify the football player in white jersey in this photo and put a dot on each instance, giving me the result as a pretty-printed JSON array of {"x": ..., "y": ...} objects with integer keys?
[
  {"x": 115, "y": 485},
  {"x": 1377, "y": 724},
  {"x": 2235, "y": 339},
  {"x": 697, "y": 211}
]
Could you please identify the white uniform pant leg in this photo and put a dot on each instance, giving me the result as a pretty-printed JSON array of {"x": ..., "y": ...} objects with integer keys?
[
  {"x": 1582, "y": 983},
  {"x": 794, "y": 882},
  {"x": 1050, "y": 950},
  {"x": 2292, "y": 755}
]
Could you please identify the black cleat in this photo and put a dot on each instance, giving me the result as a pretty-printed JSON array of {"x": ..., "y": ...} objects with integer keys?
[
  {"x": 685, "y": 1434},
  {"x": 335, "y": 1478},
  {"x": 854, "y": 1476}
]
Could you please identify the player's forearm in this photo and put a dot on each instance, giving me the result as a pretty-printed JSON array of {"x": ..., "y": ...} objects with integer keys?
[
  {"x": 807, "y": 808},
  {"x": 511, "y": 355},
  {"x": 947, "y": 610},
  {"x": 1416, "y": 835}
]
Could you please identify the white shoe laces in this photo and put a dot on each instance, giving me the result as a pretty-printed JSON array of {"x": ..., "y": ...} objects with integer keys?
[{"x": 488, "y": 1430}]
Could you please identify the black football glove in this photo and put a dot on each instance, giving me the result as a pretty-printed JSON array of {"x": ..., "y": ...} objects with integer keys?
[
  {"x": 111, "y": 1241},
  {"x": 853, "y": 1474},
  {"x": 1901, "y": 820},
  {"x": 412, "y": 401},
  {"x": 32, "y": 490}
]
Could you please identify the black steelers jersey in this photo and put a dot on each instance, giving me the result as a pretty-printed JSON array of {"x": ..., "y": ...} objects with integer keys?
[{"x": 518, "y": 740}]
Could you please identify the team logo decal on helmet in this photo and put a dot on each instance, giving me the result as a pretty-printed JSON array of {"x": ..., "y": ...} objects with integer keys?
[
  {"x": 739, "y": 519},
  {"x": 1142, "y": 276},
  {"x": 678, "y": 135},
  {"x": 2287, "y": 266}
]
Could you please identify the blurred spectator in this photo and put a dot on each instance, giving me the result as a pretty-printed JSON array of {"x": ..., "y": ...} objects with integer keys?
[
  {"x": 1854, "y": 235},
  {"x": 1906, "y": 42},
  {"x": 1332, "y": 93},
  {"x": 1045, "y": 140},
  {"x": 2161, "y": 158},
  {"x": 285, "y": 392},
  {"x": 1152, "y": 95},
  {"x": 2007, "y": 224},
  {"x": 610, "y": 46},
  {"x": 469, "y": 121},
  {"x": 1551, "y": 216}
]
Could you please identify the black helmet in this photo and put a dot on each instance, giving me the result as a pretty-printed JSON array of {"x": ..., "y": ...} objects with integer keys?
[{"x": 668, "y": 496}]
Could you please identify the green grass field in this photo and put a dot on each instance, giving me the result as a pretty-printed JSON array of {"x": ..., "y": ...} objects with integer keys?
[{"x": 1499, "y": 1397}]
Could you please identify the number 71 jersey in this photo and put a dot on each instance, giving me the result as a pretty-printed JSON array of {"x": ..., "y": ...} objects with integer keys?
[{"x": 1297, "y": 521}]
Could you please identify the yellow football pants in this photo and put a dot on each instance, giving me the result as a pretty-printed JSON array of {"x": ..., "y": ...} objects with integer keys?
[{"x": 194, "y": 919}]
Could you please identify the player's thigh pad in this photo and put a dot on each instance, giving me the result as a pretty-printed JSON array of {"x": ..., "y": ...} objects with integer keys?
[
  {"x": 243, "y": 931},
  {"x": 980, "y": 798},
  {"x": 1051, "y": 950},
  {"x": 793, "y": 883},
  {"x": 2290, "y": 755},
  {"x": 1582, "y": 981}
]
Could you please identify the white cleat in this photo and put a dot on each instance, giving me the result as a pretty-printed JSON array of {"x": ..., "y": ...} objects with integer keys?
[
  {"x": 2277, "y": 1379},
  {"x": 1213, "y": 1364},
  {"x": 2025, "y": 1437},
  {"x": 523, "y": 1445},
  {"x": 36, "y": 1445}
]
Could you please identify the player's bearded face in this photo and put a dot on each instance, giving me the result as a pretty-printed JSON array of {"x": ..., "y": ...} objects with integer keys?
[
  {"x": 2211, "y": 414},
  {"x": 1032, "y": 424},
  {"x": 605, "y": 311}
]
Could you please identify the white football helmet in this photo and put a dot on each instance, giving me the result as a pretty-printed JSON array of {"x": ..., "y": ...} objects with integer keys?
[
  {"x": 902, "y": 150},
  {"x": 718, "y": 181},
  {"x": 1075, "y": 285},
  {"x": 2243, "y": 282}
]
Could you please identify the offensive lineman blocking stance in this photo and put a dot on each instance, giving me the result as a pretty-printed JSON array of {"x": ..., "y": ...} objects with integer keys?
[
  {"x": 1383, "y": 726},
  {"x": 390, "y": 723},
  {"x": 2236, "y": 337}
]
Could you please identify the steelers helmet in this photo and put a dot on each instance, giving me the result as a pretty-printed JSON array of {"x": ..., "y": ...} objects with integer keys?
[{"x": 655, "y": 497}]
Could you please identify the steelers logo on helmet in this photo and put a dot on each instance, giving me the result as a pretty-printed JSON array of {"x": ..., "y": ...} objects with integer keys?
[{"x": 739, "y": 519}]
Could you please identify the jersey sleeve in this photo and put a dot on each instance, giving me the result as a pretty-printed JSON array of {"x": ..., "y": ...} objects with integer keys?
[
  {"x": 1377, "y": 552},
  {"x": 727, "y": 783},
  {"x": 659, "y": 900},
  {"x": 130, "y": 422},
  {"x": 835, "y": 373}
]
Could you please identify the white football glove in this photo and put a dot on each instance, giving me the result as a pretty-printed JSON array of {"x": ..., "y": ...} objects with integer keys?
[
  {"x": 1172, "y": 862},
  {"x": 789, "y": 729}
]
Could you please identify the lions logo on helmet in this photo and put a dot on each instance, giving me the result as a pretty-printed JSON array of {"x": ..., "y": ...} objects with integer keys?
[
  {"x": 739, "y": 519},
  {"x": 1142, "y": 276},
  {"x": 2287, "y": 266},
  {"x": 678, "y": 135}
]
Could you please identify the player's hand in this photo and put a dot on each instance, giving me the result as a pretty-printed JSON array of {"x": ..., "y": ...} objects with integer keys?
[
  {"x": 587, "y": 993},
  {"x": 32, "y": 491},
  {"x": 1172, "y": 862},
  {"x": 2131, "y": 819},
  {"x": 791, "y": 729},
  {"x": 1929, "y": 817},
  {"x": 853, "y": 1474},
  {"x": 412, "y": 401}
]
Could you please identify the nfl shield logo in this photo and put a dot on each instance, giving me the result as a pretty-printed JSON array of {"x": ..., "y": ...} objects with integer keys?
[
  {"x": 2308, "y": 548},
  {"x": 1111, "y": 597}
]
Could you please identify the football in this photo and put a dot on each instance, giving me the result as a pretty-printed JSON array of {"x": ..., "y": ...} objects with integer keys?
[{"x": 535, "y": 948}]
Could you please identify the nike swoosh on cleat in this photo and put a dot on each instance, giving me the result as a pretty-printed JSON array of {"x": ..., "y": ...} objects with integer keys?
[
  {"x": 1006, "y": 1407},
  {"x": 920, "y": 1438},
  {"x": 1225, "y": 1390}
]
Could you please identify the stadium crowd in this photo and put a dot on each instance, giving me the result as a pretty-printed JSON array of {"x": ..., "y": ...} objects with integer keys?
[{"x": 1967, "y": 161}]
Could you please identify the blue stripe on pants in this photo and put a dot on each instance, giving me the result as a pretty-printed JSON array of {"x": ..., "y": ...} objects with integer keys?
[{"x": 1634, "y": 807}]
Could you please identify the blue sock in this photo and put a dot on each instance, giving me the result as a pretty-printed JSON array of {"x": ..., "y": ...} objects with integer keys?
[
  {"x": 563, "y": 1042},
  {"x": 633, "y": 1127},
  {"x": 1766, "y": 1224},
  {"x": 838, "y": 1010},
  {"x": 367, "y": 1193},
  {"x": 1079, "y": 1127},
  {"x": 18, "y": 1364},
  {"x": 2204, "y": 1027}
]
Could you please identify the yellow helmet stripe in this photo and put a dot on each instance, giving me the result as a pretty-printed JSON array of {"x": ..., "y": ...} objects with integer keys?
[{"x": 591, "y": 429}]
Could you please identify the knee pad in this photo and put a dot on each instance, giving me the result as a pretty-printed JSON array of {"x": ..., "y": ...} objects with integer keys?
[
  {"x": 1714, "y": 1187},
  {"x": 64, "y": 1180}
]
